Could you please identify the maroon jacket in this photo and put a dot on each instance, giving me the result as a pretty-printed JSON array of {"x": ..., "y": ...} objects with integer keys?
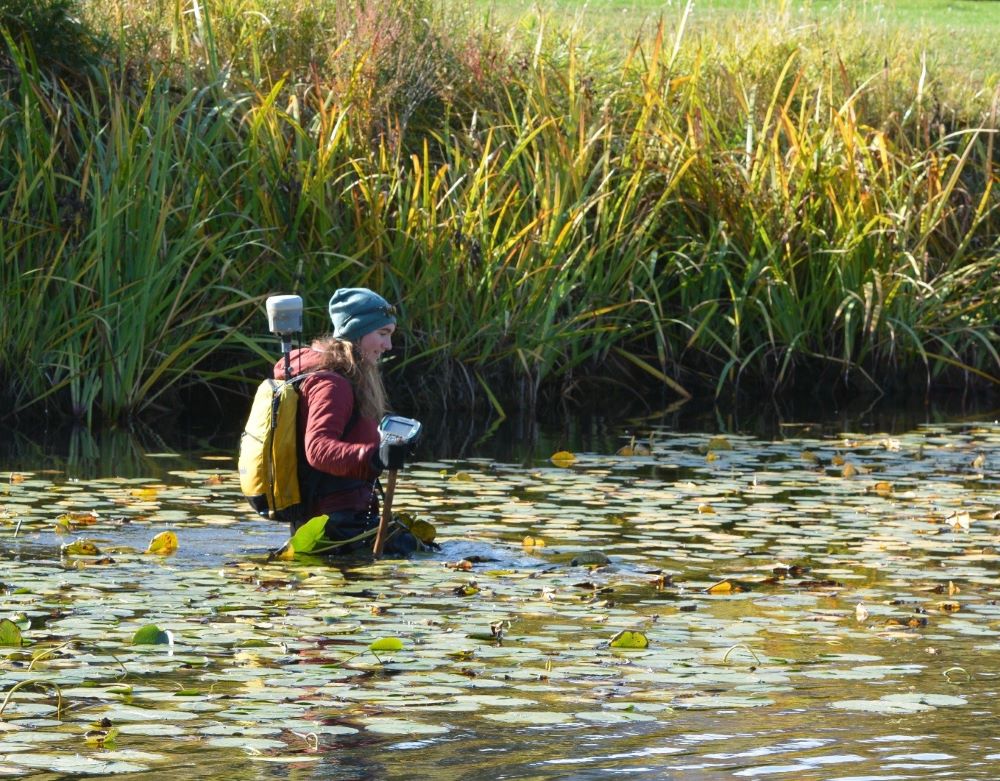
[{"x": 334, "y": 444}]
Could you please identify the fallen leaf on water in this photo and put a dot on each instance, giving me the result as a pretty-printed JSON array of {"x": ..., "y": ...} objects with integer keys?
[
  {"x": 861, "y": 613},
  {"x": 849, "y": 470},
  {"x": 663, "y": 581},
  {"x": 101, "y": 738},
  {"x": 634, "y": 448},
  {"x": 533, "y": 542},
  {"x": 78, "y": 519},
  {"x": 791, "y": 571},
  {"x": 462, "y": 654},
  {"x": 819, "y": 584},
  {"x": 706, "y": 509},
  {"x": 913, "y": 622},
  {"x": 468, "y": 590},
  {"x": 959, "y": 520}
]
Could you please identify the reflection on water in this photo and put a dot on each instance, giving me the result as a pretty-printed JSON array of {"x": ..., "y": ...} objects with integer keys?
[
  {"x": 143, "y": 450},
  {"x": 803, "y": 622}
]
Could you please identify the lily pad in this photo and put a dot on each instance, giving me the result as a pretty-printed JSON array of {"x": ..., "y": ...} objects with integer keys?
[
  {"x": 901, "y": 703},
  {"x": 590, "y": 558},
  {"x": 386, "y": 644},
  {"x": 150, "y": 635},
  {"x": 392, "y": 726},
  {"x": 307, "y": 537},
  {"x": 529, "y": 717},
  {"x": 80, "y": 548},
  {"x": 163, "y": 544},
  {"x": 10, "y": 633},
  {"x": 629, "y": 639}
]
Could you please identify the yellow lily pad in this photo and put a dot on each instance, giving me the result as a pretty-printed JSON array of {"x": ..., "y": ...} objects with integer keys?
[
  {"x": 163, "y": 544},
  {"x": 563, "y": 458},
  {"x": 628, "y": 638}
]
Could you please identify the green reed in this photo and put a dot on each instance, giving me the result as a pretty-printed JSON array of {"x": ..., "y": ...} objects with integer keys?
[{"x": 749, "y": 205}]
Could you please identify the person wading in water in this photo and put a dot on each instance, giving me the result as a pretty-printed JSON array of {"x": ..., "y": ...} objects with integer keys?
[{"x": 341, "y": 402}]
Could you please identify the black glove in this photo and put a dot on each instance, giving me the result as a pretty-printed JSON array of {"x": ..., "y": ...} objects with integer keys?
[{"x": 391, "y": 455}]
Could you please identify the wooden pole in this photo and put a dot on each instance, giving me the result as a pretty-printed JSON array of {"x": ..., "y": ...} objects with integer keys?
[{"x": 383, "y": 524}]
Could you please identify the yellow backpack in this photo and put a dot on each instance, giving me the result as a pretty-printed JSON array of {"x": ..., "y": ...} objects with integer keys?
[{"x": 269, "y": 452}]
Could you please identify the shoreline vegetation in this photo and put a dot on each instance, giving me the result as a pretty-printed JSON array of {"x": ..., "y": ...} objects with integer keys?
[{"x": 768, "y": 200}]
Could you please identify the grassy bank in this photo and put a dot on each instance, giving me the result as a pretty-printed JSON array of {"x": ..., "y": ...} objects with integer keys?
[{"x": 759, "y": 201}]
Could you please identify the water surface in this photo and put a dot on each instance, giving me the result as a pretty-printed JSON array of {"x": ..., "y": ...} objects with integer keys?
[{"x": 818, "y": 604}]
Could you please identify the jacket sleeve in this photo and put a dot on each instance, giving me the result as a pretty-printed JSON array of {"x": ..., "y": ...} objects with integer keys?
[{"x": 327, "y": 403}]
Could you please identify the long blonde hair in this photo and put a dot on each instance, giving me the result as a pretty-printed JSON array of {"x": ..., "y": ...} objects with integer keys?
[{"x": 345, "y": 358}]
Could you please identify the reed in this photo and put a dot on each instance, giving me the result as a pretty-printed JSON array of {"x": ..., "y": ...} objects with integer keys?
[{"x": 703, "y": 209}]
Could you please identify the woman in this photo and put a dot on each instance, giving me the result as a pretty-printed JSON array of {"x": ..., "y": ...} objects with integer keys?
[{"x": 341, "y": 403}]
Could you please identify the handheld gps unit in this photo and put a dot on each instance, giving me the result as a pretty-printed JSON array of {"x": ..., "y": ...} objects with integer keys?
[{"x": 397, "y": 430}]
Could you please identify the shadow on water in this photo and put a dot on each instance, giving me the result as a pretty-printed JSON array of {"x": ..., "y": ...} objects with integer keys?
[{"x": 144, "y": 450}]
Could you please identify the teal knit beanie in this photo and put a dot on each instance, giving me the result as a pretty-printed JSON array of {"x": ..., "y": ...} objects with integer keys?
[{"x": 356, "y": 311}]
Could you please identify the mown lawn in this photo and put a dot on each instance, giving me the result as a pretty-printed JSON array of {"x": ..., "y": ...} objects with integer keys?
[
  {"x": 962, "y": 33},
  {"x": 974, "y": 16}
]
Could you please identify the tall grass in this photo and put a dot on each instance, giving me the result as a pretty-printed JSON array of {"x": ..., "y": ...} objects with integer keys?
[{"x": 763, "y": 206}]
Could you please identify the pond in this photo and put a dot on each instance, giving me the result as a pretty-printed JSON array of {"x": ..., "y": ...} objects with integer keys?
[{"x": 813, "y": 603}]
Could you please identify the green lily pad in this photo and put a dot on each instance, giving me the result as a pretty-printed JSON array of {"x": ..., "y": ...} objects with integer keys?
[
  {"x": 10, "y": 633},
  {"x": 75, "y": 764},
  {"x": 901, "y": 703},
  {"x": 81, "y": 547},
  {"x": 309, "y": 535},
  {"x": 590, "y": 559},
  {"x": 392, "y": 726},
  {"x": 386, "y": 644},
  {"x": 529, "y": 717},
  {"x": 150, "y": 635},
  {"x": 613, "y": 717},
  {"x": 629, "y": 639}
]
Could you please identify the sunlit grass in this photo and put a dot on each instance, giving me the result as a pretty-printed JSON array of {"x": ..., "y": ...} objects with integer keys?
[{"x": 759, "y": 202}]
